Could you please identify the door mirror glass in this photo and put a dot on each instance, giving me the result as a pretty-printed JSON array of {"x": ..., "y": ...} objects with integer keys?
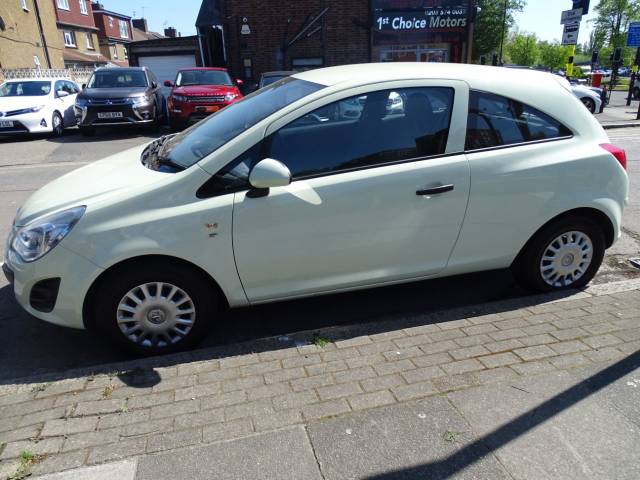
[
  {"x": 154, "y": 85},
  {"x": 168, "y": 83},
  {"x": 62, "y": 93},
  {"x": 84, "y": 85},
  {"x": 269, "y": 173}
]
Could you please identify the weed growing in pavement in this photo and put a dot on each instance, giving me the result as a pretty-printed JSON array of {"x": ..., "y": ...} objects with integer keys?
[
  {"x": 27, "y": 460},
  {"x": 451, "y": 437},
  {"x": 108, "y": 391},
  {"x": 319, "y": 341},
  {"x": 38, "y": 388}
]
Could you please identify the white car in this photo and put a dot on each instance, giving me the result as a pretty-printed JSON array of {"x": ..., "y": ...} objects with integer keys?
[
  {"x": 588, "y": 97},
  {"x": 486, "y": 168},
  {"x": 37, "y": 105}
]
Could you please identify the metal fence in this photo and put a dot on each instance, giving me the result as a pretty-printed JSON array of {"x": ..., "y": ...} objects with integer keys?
[{"x": 78, "y": 75}]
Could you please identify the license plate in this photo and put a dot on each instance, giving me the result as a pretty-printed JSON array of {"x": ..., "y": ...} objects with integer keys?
[
  {"x": 208, "y": 109},
  {"x": 109, "y": 114},
  {"x": 6, "y": 124}
]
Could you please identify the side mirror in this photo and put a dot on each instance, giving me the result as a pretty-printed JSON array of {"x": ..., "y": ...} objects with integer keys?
[
  {"x": 84, "y": 85},
  {"x": 62, "y": 93},
  {"x": 239, "y": 81},
  {"x": 269, "y": 173},
  {"x": 154, "y": 85},
  {"x": 168, "y": 83}
]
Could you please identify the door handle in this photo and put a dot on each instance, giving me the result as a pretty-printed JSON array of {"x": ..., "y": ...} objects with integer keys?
[{"x": 435, "y": 190}]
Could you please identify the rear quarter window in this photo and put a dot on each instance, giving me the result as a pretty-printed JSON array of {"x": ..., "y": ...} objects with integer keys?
[{"x": 496, "y": 121}]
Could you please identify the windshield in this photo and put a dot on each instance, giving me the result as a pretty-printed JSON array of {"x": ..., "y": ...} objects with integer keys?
[
  {"x": 203, "y": 77},
  {"x": 117, "y": 78},
  {"x": 25, "y": 89},
  {"x": 205, "y": 137}
]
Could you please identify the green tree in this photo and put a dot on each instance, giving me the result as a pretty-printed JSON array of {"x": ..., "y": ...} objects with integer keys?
[
  {"x": 553, "y": 55},
  {"x": 523, "y": 49},
  {"x": 612, "y": 22},
  {"x": 490, "y": 28}
]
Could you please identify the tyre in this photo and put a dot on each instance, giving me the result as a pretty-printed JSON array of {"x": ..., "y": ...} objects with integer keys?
[
  {"x": 154, "y": 310},
  {"x": 589, "y": 103},
  {"x": 57, "y": 125},
  {"x": 565, "y": 254},
  {"x": 87, "y": 131}
]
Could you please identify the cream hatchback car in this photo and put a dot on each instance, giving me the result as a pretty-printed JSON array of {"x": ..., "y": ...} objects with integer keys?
[{"x": 279, "y": 196}]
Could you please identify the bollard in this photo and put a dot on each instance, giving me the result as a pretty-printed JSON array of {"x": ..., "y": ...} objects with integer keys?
[{"x": 632, "y": 81}]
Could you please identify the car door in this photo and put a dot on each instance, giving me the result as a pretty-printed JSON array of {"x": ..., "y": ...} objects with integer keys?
[
  {"x": 377, "y": 196},
  {"x": 69, "y": 102}
]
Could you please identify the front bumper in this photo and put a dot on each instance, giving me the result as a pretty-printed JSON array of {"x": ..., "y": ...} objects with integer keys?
[
  {"x": 186, "y": 113},
  {"x": 90, "y": 115},
  {"x": 36, "y": 122},
  {"x": 60, "y": 273}
]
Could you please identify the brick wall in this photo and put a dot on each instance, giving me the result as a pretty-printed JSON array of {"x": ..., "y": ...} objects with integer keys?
[
  {"x": 340, "y": 41},
  {"x": 109, "y": 25},
  {"x": 74, "y": 15},
  {"x": 21, "y": 40}
]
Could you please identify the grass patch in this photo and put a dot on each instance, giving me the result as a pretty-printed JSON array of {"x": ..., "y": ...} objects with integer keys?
[
  {"x": 319, "y": 341},
  {"x": 108, "y": 391},
  {"x": 27, "y": 460}
]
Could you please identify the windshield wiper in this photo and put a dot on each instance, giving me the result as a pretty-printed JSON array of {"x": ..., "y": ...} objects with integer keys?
[{"x": 153, "y": 159}]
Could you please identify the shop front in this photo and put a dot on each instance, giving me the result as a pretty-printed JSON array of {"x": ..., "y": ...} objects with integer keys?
[{"x": 420, "y": 30}]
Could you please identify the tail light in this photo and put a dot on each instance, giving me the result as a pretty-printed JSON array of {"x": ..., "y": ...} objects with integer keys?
[{"x": 619, "y": 153}]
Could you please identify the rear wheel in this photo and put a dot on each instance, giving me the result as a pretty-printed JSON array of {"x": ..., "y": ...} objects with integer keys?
[
  {"x": 161, "y": 309},
  {"x": 565, "y": 254},
  {"x": 589, "y": 103},
  {"x": 57, "y": 124}
]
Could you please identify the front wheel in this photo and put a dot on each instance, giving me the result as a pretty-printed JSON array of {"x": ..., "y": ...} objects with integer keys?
[
  {"x": 564, "y": 254},
  {"x": 57, "y": 125},
  {"x": 155, "y": 310}
]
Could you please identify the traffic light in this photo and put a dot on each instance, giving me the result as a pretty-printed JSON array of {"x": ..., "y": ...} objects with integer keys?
[
  {"x": 637, "y": 62},
  {"x": 617, "y": 55},
  {"x": 483, "y": 60},
  {"x": 583, "y": 4},
  {"x": 494, "y": 60},
  {"x": 571, "y": 59},
  {"x": 594, "y": 56}
]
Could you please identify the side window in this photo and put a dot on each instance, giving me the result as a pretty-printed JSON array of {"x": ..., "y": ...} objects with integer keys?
[
  {"x": 59, "y": 86},
  {"x": 234, "y": 176},
  {"x": 497, "y": 121},
  {"x": 366, "y": 130}
]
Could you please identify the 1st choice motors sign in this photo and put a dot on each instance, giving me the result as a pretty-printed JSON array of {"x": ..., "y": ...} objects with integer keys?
[{"x": 440, "y": 18}]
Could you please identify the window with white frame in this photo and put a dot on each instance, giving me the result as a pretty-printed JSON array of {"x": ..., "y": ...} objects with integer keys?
[
  {"x": 23, "y": 4},
  {"x": 126, "y": 53},
  {"x": 69, "y": 38},
  {"x": 36, "y": 61},
  {"x": 83, "y": 7},
  {"x": 89, "y": 41},
  {"x": 115, "y": 51},
  {"x": 124, "y": 29},
  {"x": 63, "y": 4}
]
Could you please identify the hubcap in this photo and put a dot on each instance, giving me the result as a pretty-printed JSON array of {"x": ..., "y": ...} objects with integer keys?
[
  {"x": 566, "y": 259},
  {"x": 156, "y": 314}
]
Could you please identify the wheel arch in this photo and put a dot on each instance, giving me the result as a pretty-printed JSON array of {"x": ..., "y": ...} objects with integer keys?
[
  {"x": 140, "y": 262},
  {"x": 598, "y": 216}
]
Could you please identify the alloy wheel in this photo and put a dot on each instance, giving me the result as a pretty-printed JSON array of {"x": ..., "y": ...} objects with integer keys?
[
  {"x": 156, "y": 314},
  {"x": 566, "y": 259},
  {"x": 56, "y": 123}
]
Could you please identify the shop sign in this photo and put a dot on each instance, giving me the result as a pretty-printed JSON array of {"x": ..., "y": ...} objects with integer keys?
[{"x": 438, "y": 18}]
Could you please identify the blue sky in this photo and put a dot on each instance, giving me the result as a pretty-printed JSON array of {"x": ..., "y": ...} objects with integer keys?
[{"x": 541, "y": 17}]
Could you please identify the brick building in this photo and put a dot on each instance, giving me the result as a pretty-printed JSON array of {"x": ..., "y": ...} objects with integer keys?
[
  {"x": 79, "y": 33},
  {"x": 114, "y": 32},
  {"x": 253, "y": 36},
  {"x": 28, "y": 35}
]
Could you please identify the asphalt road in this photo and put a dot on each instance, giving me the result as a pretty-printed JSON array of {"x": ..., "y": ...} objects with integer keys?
[{"x": 29, "y": 346}]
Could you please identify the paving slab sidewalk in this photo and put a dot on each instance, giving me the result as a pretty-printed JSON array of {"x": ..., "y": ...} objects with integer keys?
[
  {"x": 537, "y": 387},
  {"x": 617, "y": 114}
]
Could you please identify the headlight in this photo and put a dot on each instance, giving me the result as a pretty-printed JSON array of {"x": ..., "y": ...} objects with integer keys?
[
  {"x": 230, "y": 96},
  {"x": 179, "y": 98},
  {"x": 28, "y": 110},
  {"x": 35, "y": 239},
  {"x": 142, "y": 100}
]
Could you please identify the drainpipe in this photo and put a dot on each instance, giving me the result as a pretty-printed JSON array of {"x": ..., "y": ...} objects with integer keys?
[{"x": 42, "y": 37}]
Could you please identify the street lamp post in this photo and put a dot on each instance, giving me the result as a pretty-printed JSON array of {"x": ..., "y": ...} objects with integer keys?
[{"x": 504, "y": 26}]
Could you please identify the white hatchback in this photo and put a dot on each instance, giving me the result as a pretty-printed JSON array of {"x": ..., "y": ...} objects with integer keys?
[
  {"x": 37, "y": 105},
  {"x": 281, "y": 196}
]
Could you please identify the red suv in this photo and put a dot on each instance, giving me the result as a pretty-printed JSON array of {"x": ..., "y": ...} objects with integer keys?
[{"x": 199, "y": 92}]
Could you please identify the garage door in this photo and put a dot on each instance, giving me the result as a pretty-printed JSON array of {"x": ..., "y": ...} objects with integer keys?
[{"x": 166, "y": 67}]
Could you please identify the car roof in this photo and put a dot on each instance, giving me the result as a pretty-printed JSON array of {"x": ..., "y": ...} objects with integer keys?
[
  {"x": 52, "y": 79},
  {"x": 279, "y": 73},
  {"x": 218, "y": 69}
]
